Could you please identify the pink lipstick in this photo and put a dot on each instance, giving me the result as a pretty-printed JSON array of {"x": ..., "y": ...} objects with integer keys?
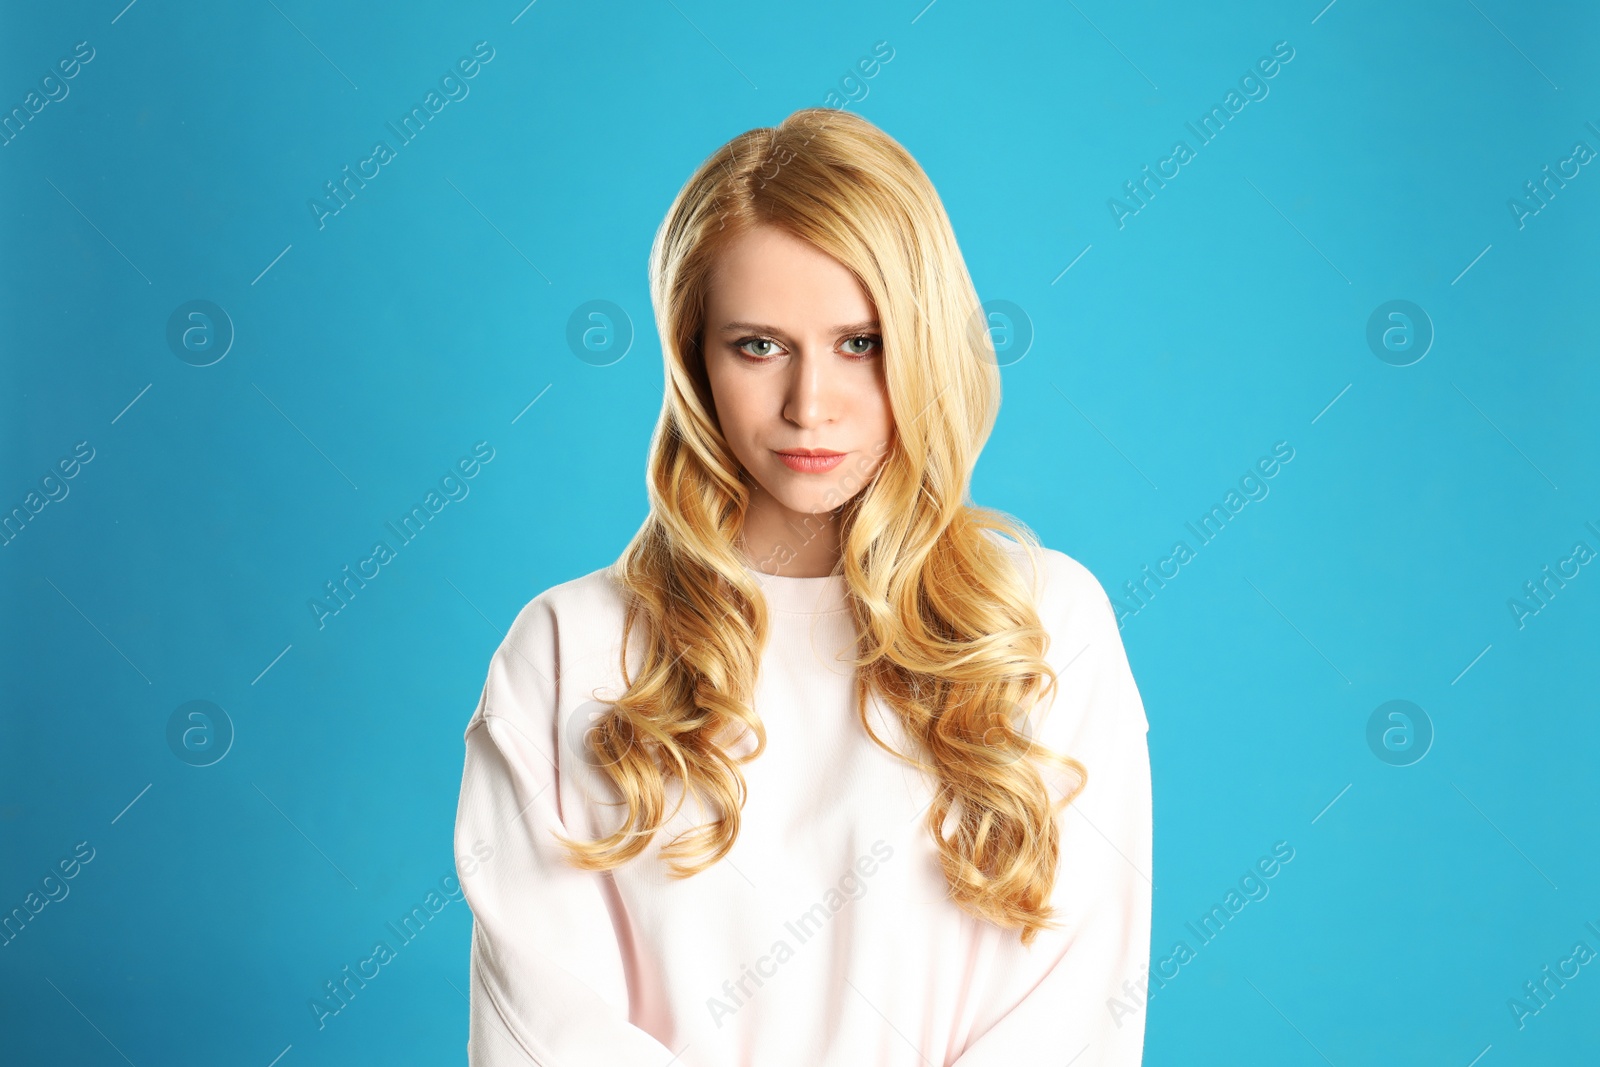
[{"x": 811, "y": 460}]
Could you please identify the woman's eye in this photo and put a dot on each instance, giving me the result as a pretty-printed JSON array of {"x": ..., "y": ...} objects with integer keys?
[
  {"x": 762, "y": 348},
  {"x": 744, "y": 346},
  {"x": 869, "y": 342}
]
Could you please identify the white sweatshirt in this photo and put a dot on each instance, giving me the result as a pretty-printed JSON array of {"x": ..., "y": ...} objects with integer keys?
[{"x": 826, "y": 938}]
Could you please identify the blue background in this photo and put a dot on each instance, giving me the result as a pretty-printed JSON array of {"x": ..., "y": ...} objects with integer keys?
[{"x": 369, "y": 354}]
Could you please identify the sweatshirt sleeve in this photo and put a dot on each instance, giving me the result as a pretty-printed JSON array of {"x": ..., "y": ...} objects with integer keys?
[
  {"x": 549, "y": 981},
  {"x": 1077, "y": 993}
]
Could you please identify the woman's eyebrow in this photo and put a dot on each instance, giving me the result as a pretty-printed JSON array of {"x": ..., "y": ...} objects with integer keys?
[{"x": 851, "y": 327}]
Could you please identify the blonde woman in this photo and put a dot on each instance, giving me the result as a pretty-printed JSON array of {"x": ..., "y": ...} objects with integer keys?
[{"x": 831, "y": 767}]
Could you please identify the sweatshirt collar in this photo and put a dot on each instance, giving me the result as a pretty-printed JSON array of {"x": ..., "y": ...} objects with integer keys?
[{"x": 802, "y": 596}]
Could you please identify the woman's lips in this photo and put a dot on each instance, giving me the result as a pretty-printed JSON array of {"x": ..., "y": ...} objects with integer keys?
[{"x": 811, "y": 464}]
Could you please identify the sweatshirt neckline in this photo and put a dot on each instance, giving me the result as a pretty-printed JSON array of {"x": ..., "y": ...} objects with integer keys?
[{"x": 789, "y": 595}]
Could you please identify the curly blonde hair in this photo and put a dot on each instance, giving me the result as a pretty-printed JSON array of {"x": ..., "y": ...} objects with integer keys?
[{"x": 949, "y": 636}]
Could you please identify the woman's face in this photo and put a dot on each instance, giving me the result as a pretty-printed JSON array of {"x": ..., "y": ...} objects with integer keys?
[{"x": 795, "y": 361}]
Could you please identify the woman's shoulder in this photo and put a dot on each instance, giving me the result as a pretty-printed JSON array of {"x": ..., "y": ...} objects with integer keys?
[
  {"x": 591, "y": 592},
  {"x": 1085, "y": 647},
  {"x": 1061, "y": 584},
  {"x": 562, "y": 643},
  {"x": 570, "y": 619}
]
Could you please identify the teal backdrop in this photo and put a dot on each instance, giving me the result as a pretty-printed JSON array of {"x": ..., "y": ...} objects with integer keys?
[{"x": 1296, "y": 307}]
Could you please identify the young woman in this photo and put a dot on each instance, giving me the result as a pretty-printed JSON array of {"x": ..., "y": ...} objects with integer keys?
[{"x": 831, "y": 767}]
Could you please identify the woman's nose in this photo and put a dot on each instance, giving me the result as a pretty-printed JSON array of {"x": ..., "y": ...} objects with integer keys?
[{"x": 809, "y": 402}]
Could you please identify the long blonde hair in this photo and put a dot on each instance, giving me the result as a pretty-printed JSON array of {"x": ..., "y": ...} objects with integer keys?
[{"x": 949, "y": 637}]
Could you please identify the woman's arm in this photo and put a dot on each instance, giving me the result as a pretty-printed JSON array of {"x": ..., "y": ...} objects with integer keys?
[
  {"x": 1086, "y": 1004},
  {"x": 548, "y": 983}
]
